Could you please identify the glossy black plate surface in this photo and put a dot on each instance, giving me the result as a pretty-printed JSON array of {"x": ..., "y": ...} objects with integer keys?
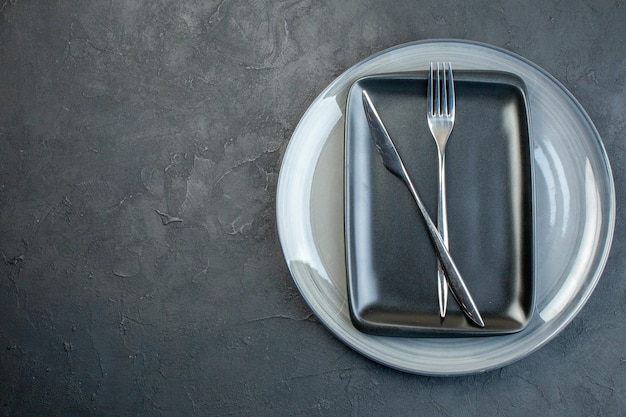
[{"x": 391, "y": 265}]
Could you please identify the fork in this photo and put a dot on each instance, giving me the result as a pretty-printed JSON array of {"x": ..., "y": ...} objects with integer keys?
[{"x": 441, "y": 111}]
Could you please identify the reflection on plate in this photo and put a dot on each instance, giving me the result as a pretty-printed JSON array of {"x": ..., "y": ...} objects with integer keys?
[
  {"x": 574, "y": 207},
  {"x": 391, "y": 264}
]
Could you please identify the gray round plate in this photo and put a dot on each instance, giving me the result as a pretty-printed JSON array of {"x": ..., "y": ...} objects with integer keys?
[{"x": 574, "y": 202}]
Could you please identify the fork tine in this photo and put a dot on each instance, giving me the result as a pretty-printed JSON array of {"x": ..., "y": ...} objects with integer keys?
[
  {"x": 438, "y": 93},
  {"x": 444, "y": 91},
  {"x": 429, "y": 92},
  {"x": 451, "y": 102}
]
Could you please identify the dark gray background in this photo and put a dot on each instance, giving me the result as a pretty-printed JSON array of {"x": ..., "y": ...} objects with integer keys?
[{"x": 140, "y": 270}]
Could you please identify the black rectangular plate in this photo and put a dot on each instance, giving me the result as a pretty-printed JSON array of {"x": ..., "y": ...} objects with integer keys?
[{"x": 391, "y": 264}]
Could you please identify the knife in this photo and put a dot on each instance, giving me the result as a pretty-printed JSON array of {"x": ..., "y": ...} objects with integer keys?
[{"x": 391, "y": 159}]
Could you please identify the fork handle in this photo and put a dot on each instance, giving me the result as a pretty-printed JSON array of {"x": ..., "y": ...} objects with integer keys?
[{"x": 442, "y": 226}]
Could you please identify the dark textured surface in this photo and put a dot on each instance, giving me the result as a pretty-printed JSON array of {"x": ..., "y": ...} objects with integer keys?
[{"x": 140, "y": 270}]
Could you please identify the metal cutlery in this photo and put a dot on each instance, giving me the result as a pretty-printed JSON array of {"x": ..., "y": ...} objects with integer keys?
[
  {"x": 441, "y": 113},
  {"x": 392, "y": 161}
]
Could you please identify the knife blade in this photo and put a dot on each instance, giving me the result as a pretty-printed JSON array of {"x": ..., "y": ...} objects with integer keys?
[{"x": 392, "y": 161}]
